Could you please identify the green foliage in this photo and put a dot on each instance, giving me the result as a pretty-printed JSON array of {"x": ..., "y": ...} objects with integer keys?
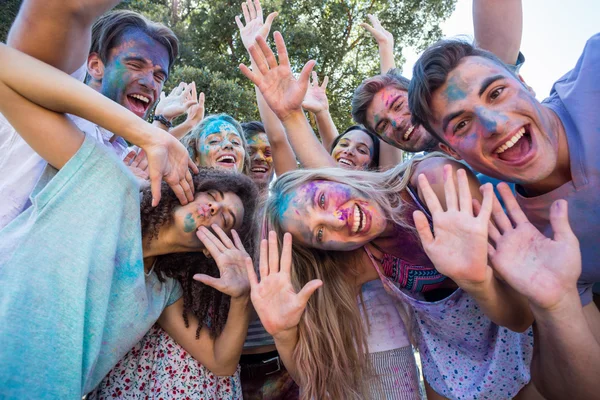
[{"x": 327, "y": 31}]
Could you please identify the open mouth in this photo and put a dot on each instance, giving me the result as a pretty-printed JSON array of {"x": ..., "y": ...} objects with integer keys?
[
  {"x": 138, "y": 103},
  {"x": 517, "y": 147},
  {"x": 408, "y": 133},
  {"x": 347, "y": 162},
  {"x": 227, "y": 161},
  {"x": 259, "y": 170},
  {"x": 358, "y": 220}
]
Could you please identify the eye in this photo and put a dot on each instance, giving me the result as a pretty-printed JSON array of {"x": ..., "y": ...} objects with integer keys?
[
  {"x": 268, "y": 153},
  {"x": 134, "y": 65},
  {"x": 213, "y": 141},
  {"x": 496, "y": 93},
  {"x": 212, "y": 195},
  {"x": 461, "y": 125},
  {"x": 160, "y": 77},
  {"x": 235, "y": 142},
  {"x": 399, "y": 106},
  {"x": 322, "y": 200},
  {"x": 320, "y": 235},
  {"x": 383, "y": 127},
  {"x": 362, "y": 151}
]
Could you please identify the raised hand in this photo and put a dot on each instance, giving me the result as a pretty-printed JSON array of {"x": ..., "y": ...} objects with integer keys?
[
  {"x": 315, "y": 99},
  {"x": 276, "y": 302},
  {"x": 195, "y": 113},
  {"x": 168, "y": 159},
  {"x": 282, "y": 91},
  {"x": 253, "y": 16},
  {"x": 231, "y": 260},
  {"x": 381, "y": 35},
  {"x": 137, "y": 162},
  {"x": 177, "y": 102},
  {"x": 459, "y": 247},
  {"x": 542, "y": 269}
]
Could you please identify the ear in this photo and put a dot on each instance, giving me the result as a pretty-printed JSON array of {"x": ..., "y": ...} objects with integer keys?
[
  {"x": 526, "y": 85},
  {"x": 448, "y": 150},
  {"x": 206, "y": 253},
  {"x": 95, "y": 67}
]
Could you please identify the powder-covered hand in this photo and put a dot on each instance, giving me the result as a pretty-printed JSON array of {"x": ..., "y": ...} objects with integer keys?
[
  {"x": 276, "y": 302},
  {"x": 253, "y": 16},
  {"x": 177, "y": 103},
  {"x": 458, "y": 244},
  {"x": 231, "y": 260}
]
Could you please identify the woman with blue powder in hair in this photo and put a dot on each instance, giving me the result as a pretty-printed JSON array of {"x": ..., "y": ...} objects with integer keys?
[{"x": 101, "y": 269}]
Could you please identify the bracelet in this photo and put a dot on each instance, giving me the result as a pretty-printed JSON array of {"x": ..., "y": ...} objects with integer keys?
[{"x": 161, "y": 118}]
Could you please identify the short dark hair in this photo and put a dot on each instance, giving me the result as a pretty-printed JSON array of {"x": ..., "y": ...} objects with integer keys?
[
  {"x": 430, "y": 73},
  {"x": 366, "y": 91},
  {"x": 376, "y": 144},
  {"x": 110, "y": 27},
  {"x": 252, "y": 128}
]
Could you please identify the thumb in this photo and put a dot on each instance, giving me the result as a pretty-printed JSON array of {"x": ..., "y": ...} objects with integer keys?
[
  {"x": 559, "y": 219},
  {"x": 308, "y": 290},
  {"x": 208, "y": 280},
  {"x": 270, "y": 18}
]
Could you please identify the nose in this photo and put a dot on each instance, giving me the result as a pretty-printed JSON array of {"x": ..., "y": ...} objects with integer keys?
[
  {"x": 214, "y": 207},
  {"x": 226, "y": 144},
  {"x": 146, "y": 79},
  {"x": 334, "y": 221},
  {"x": 490, "y": 120}
]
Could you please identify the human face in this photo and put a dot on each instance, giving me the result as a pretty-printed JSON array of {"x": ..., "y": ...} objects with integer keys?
[
  {"x": 261, "y": 159},
  {"x": 389, "y": 117},
  {"x": 331, "y": 216},
  {"x": 220, "y": 146},
  {"x": 135, "y": 72},
  {"x": 354, "y": 150},
  {"x": 224, "y": 209},
  {"x": 491, "y": 120}
]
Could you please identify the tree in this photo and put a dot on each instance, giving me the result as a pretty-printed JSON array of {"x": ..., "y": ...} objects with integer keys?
[{"x": 327, "y": 31}]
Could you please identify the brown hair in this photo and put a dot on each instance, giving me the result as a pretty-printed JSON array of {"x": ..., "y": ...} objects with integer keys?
[
  {"x": 430, "y": 73},
  {"x": 366, "y": 91},
  {"x": 210, "y": 306},
  {"x": 110, "y": 27}
]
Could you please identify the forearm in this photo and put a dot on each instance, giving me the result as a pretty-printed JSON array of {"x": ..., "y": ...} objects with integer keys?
[
  {"x": 305, "y": 144},
  {"x": 180, "y": 130},
  {"x": 567, "y": 356},
  {"x": 327, "y": 129},
  {"x": 286, "y": 344},
  {"x": 498, "y": 27},
  {"x": 501, "y": 304},
  {"x": 386, "y": 57},
  {"x": 57, "y": 32},
  {"x": 229, "y": 344},
  {"x": 284, "y": 158},
  {"x": 54, "y": 90}
]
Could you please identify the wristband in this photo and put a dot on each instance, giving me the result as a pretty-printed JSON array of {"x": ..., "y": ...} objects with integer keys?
[{"x": 161, "y": 118}]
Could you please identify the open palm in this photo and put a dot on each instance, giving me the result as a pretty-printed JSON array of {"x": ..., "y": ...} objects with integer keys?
[
  {"x": 230, "y": 258},
  {"x": 315, "y": 99},
  {"x": 459, "y": 247},
  {"x": 253, "y": 16},
  {"x": 540, "y": 268},
  {"x": 276, "y": 302}
]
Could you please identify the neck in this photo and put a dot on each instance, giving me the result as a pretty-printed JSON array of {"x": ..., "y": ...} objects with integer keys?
[
  {"x": 166, "y": 243},
  {"x": 562, "y": 171},
  {"x": 95, "y": 84}
]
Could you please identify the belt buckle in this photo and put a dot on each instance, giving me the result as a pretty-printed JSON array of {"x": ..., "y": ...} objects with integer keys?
[{"x": 276, "y": 358}]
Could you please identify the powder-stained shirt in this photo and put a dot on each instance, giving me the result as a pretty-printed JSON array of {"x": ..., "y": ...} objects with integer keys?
[
  {"x": 74, "y": 297},
  {"x": 575, "y": 98},
  {"x": 21, "y": 166}
]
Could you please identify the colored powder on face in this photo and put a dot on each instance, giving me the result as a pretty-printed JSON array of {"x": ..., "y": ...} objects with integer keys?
[
  {"x": 189, "y": 224},
  {"x": 218, "y": 126},
  {"x": 455, "y": 90}
]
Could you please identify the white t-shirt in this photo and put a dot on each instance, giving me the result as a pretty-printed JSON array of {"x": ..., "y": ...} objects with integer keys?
[{"x": 21, "y": 166}]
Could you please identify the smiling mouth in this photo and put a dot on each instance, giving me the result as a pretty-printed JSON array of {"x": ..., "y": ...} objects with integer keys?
[
  {"x": 259, "y": 170},
  {"x": 358, "y": 220},
  {"x": 138, "y": 103},
  {"x": 226, "y": 160},
  {"x": 408, "y": 133},
  {"x": 346, "y": 161},
  {"x": 516, "y": 147}
]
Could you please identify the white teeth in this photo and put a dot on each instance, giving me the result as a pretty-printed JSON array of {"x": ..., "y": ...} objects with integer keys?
[
  {"x": 259, "y": 169},
  {"x": 358, "y": 219},
  {"x": 226, "y": 159},
  {"x": 140, "y": 97},
  {"x": 346, "y": 161},
  {"x": 408, "y": 132},
  {"x": 510, "y": 142}
]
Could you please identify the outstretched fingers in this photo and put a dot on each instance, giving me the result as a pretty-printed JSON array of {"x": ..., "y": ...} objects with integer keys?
[
  {"x": 465, "y": 200},
  {"x": 273, "y": 253},
  {"x": 263, "y": 263},
  {"x": 286, "y": 254},
  {"x": 559, "y": 219},
  {"x": 267, "y": 53},
  {"x": 251, "y": 273},
  {"x": 431, "y": 199},
  {"x": 450, "y": 189},
  {"x": 514, "y": 210},
  {"x": 423, "y": 228},
  {"x": 281, "y": 49},
  {"x": 308, "y": 290}
]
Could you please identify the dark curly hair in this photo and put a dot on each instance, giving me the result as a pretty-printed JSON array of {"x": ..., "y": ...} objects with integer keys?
[{"x": 204, "y": 302}]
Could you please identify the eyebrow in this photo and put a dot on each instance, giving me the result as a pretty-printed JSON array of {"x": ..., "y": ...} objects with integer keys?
[
  {"x": 488, "y": 81},
  {"x": 449, "y": 118}
]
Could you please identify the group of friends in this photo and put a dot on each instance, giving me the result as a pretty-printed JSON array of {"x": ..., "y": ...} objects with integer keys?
[{"x": 216, "y": 259}]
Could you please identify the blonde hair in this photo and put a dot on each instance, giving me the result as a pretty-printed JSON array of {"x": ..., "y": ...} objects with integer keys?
[{"x": 331, "y": 354}]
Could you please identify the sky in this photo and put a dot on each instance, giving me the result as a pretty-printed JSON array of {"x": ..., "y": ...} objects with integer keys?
[{"x": 554, "y": 35}]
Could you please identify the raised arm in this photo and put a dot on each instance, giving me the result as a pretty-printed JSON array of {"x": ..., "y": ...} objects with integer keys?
[
  {"x": 284, "y": 158},
  {"x": 284, "y": 95},
  {"x": 315, "y": 101},
  {"x": 385, "y": 43},
  {"x": 44, "y": 91},
  {"x": 498, "y": 27},
  {"x": 220, "y": 355},
  {"x": 58, "y": 32}
]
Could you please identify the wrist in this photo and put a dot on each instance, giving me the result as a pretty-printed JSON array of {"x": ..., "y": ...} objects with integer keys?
[
  {"x": 561, "y": 310},
  {"x": 287, "y": 337},
  {"x": 242, "y": 300},
  {"x": 294, "y": 117},
  {"x": 164, "y": 120}
]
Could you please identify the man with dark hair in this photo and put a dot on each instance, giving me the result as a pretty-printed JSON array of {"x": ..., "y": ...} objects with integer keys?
[
  {"x": 261, "y": 156},
  {"x": 129, "y": 61},
  {"x": 484, "y": 114}
]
